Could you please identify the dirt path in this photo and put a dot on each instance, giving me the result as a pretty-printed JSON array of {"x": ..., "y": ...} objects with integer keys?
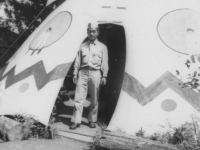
[{"x": 41, "y": 144}]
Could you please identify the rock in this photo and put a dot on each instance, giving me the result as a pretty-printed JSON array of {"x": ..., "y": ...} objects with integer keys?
[
  {"x": 12, "y": 130},
  {"x": 17, "y": 133}
]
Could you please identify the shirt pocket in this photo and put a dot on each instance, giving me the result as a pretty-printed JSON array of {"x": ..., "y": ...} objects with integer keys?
[
  {"x": 84, "y": 52},
  {"x": 97, "y": 57}
]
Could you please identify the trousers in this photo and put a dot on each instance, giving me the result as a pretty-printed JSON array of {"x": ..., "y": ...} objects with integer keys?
[{"x": 88, "y": 81}]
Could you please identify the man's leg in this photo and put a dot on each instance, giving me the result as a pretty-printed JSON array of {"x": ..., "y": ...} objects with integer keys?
[
  {"x": 80, "y": 96},
  {"x": 94, "y": 88}
]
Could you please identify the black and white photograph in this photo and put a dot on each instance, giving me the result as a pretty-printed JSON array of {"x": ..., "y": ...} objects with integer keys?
[{"x": 99, "y": 74}]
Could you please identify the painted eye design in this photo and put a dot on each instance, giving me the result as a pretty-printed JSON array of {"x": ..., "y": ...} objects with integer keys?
[
  {"x": 51, "y": 32},
  {"x": 172, "y": 29},
  {"x": 40, "y": 42}
]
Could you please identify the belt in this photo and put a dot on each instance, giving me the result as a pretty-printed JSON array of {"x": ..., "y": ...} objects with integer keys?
[{"x": 89, "y": 68}]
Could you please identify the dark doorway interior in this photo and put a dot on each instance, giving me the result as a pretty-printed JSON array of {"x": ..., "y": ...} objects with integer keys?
[{"x": 113, "y": 36}]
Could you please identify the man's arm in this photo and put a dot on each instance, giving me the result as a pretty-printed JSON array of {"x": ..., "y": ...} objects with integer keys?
[
  {"x": 77, "y": 64},
  {"x": 104, "y": 66}
]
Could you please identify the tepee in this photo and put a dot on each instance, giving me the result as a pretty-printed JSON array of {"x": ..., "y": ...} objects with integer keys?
[{"x": 155, "y": 34}]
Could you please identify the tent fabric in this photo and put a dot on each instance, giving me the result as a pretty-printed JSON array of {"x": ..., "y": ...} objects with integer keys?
[{"x": 155, "y": 33}]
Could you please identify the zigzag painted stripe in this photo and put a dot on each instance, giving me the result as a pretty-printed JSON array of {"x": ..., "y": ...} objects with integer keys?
[
  {"x": 145, "y": 95},
  {"x": 38, "y": 71},
  {"x": 130, "y": 85}
]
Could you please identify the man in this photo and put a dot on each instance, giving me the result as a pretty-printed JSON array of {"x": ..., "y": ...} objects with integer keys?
[{"x": 90, "y": 70}]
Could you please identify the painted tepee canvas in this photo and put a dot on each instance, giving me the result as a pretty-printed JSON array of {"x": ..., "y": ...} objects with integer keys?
[{"x": 156, "y": 44}]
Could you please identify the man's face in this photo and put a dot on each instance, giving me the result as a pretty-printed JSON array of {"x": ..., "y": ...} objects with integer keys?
[{"x": 92, "y": 34}]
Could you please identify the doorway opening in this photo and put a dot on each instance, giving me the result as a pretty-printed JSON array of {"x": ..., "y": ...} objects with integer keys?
[{"x": 113, "y": 36}]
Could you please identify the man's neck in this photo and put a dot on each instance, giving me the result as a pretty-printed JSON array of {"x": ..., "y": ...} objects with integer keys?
[{"x": 93, "y": 41}]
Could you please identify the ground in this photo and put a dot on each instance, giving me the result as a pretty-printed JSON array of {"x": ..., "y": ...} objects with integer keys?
[{"x": 41, "y": 144}]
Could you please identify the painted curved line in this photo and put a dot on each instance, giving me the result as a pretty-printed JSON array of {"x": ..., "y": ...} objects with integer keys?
[
  {"x": 158, "y": 31},
  {"x": 158, "y": 26},
  {"x": 145, "y": 95},
  {"x": 50, "y": 21},
  {"x": 38, "y": 71}
]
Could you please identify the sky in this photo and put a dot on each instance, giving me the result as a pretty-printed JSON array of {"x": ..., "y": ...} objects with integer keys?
[{"x": 2, "y": 14}]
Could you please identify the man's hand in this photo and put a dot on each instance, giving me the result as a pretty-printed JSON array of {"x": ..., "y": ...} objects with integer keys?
[
  {"x": 75, "y": 78},
  {"x": 103, "y": 81}
]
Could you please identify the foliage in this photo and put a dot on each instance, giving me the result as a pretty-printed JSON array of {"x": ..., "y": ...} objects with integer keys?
[
  {"x": 21, "y": 13},
  {"x": 53, "y": 128},
  {"x": 119, "y": 130},
  {"x": 140, "y": 133},
  {"x": 103, "y": 126},
  {"x": 96, "y": 140},
  {"x": 62, "y": 95},
  {"x": 192, "y": 78},
  {"x": 185, "y": 137},
  {"x": 35, "y": 128},
  {"x": 97, "y": 137},
  {"x": 193, "y": 81}
]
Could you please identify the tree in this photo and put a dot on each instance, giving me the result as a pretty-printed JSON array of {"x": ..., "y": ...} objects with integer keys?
[
  {"x": 19, "y": 19},
  {"x": 190, "y": 78},
  {"x": 21, "y": 13}
]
